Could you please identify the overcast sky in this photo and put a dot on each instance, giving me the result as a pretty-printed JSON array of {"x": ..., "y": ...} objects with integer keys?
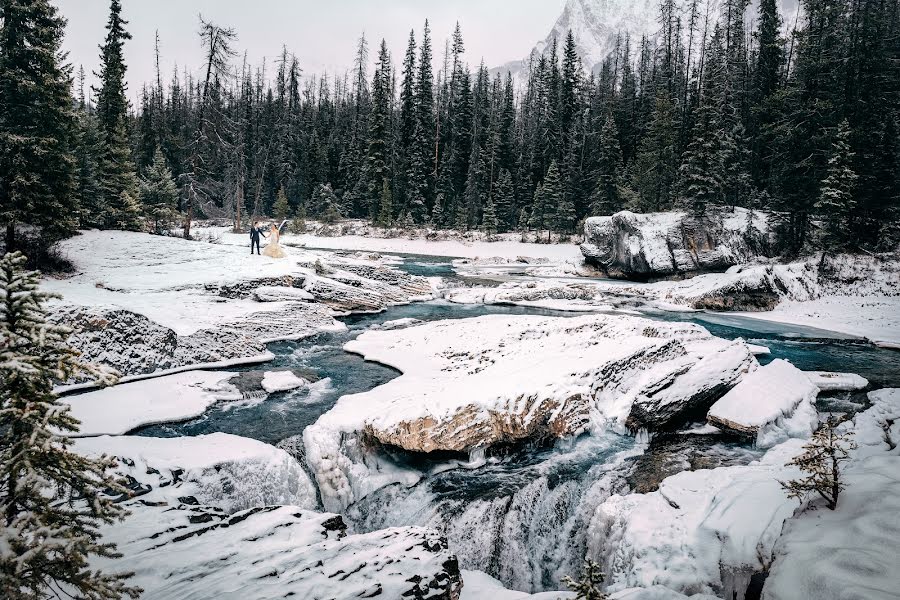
[{"x": 322, "y": 34}]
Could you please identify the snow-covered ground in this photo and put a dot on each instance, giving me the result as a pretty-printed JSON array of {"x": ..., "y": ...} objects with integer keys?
[
  {"x": 120, "y": 409},
  {"x": 153, "y": 304}
]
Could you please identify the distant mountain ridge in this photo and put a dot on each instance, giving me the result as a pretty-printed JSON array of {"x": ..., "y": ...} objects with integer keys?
[{"x": 597, "y": 24}]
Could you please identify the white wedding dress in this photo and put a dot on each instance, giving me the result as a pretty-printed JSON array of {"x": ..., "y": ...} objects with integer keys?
[{"x": 274, "y": 249}]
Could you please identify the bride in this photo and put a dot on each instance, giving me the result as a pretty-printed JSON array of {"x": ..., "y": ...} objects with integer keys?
[{"x": 273, "y": 249}]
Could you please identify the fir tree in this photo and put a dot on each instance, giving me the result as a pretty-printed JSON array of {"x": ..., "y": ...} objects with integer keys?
[
  {"x": 589, "y": 586},
  {"x": 822, "y": 458},
  {"x": 836, "y": 205},
  {"x": 53, "y": 501},
  {"x": 281, "y": 208},
  {"x": 36, "y": 123},
  {"x": 159, "y": 194},
  {"x": 564, "y": 219},
  {"x": 117, "y": 173}
]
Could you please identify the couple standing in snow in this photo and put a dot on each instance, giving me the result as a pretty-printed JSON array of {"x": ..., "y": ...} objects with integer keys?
[{"x": 273, "y": 248}]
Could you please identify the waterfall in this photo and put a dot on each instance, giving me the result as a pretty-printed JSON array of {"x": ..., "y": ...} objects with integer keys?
[{"x": 524, "y": 522}]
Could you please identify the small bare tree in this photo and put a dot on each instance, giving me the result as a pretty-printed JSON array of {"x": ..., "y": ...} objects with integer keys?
[
  {"x": 588, "y": 587},
  {"x": 821, "y": 460}
]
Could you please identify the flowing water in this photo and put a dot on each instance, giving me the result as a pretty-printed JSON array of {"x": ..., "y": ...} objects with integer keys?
[{"x": 521, "y": 516}]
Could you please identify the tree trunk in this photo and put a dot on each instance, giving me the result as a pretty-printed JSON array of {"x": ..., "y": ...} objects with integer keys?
[
  {"x": 188, "y": 217},
  {"x": 11, "y": 236}
]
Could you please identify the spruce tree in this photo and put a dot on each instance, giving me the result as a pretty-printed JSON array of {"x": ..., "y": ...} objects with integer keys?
[
  {"x": 437, "y": 213},
  {"x": 489, "y": 222},
  {"x": 52, "y": 500},
  {"x": 606, "y": 198},
  {"x": 836, "y": 205},
  {"x": 118, "y": 178},
  {"x": 821, "y": 460},
  {"x": 504, "y": 202},
  {"x": 36, "y": 123},
  {"x": 379, "y": 130},
  {"x": 386, "y": 209},
  {"x": 281, "y": 208},
  {"x": 87, "y": 195},
  {"x": 589, "y": 586},
  {"x": 159, "y": 194}
]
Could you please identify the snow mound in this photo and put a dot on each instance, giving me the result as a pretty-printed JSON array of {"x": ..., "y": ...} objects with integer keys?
[
  {"x": 837, "y": 382},
  {"x": 281, "y": 381},
  {"x": 228, "y": 472},
  {"x": 478, "y": 585},
  {"x": 122, "y": 408},
  {"x": 273, "y": 552},
  {"x": 702, "y": 532},
  {"x": 850, "y": 552},
  {"x": 771, "y": 404},
  {"x": 471, "y": 383}
]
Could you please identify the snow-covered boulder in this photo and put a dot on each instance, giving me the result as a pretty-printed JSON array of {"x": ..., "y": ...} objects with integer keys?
[
  {"x": 850, "y": 552},
  {"x": 473, "y": 383},
  {"x": 648, "y": 246},
  {"x": 702, "y": 532},
  {"x": 122, "y": 408},
  {"x": 837, "y": 382},
  {"x": 773, "y": 403},
  {"x": 281, "y": 381},
  {"x": 228, "y": 472}
]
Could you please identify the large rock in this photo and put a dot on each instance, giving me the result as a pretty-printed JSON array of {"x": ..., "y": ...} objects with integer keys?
[
  {"x": 657, "y": 245},
  {"x": 770, "y": 405},
  {"x": 474, "y": 383}
]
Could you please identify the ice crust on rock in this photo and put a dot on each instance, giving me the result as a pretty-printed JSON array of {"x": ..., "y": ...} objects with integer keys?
[
  {"x": 282, "y": 381},
  {"x": 837, "y": 382},
  {"x": 773, "y": 403},
  {"x": 702, "y": 532},
  {"x": 472, "y": 383}
]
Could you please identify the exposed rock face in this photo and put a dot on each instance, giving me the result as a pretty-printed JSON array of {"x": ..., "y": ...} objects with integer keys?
[
  {"x": 473, "y": 383},
  {"x": 658, "y": 245},
  {"x": 135, "y": 345}
]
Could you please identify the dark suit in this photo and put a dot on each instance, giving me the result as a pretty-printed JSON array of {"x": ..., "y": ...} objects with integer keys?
[{"x": 255, "y": 234}]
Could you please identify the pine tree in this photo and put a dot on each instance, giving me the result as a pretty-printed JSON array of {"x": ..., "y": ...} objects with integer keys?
[
  {"x": 836, "y": 205},
  {"x": 117, "y": 174},
  {"x": 822, "y": 458},
  {"x": 379, "y": 130},
  {"x": 589, "y": 586},
  {"x": 159, "y": 194},
  {"x": 386, "y": 210},
  {"x": 36, "y": 123},
  {"x": 52, "y": 500},
  {"x": 281, "y": 208}
]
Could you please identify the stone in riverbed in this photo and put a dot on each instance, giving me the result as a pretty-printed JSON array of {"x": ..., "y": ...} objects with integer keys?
[
  {"x": 770, "y": 405},
  {"x": 656, "y": 245}
]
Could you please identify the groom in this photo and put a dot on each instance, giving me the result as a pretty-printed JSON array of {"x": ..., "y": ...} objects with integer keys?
[{"x": 255, "y": 233}]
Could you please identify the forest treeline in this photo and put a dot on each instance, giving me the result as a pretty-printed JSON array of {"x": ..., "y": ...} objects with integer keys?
[{"x": 710, "y": 112}]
